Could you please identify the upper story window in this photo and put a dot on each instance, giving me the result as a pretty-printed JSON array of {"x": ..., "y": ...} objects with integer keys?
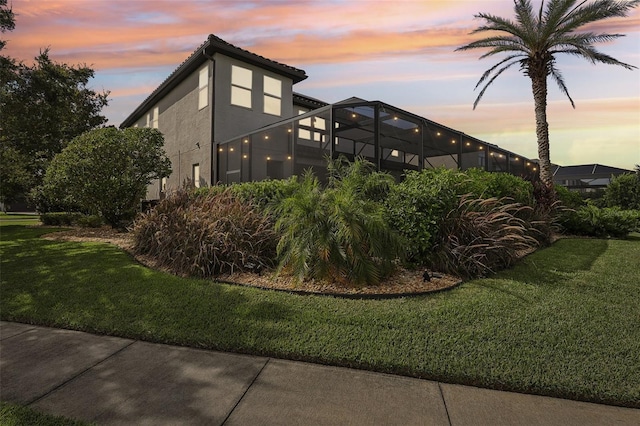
[
  {"x": 154, "y": 118},
  {"x": 203, "y": 87},
  {"x": 241, "y": 84},
  {"x": 272, "y": 96}
]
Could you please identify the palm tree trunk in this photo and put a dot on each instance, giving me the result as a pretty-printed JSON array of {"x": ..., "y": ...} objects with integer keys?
[{"x": 539, "y": 87}]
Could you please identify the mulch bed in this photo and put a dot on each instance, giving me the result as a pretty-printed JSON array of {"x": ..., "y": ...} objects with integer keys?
[{"x": 403, "y": 282}]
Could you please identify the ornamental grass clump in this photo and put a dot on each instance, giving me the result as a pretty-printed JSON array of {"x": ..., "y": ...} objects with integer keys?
[
  {"x": 482, "y": 236},
  {"x": 337, "y": 233},
  {"x": 206, "y": 235}
]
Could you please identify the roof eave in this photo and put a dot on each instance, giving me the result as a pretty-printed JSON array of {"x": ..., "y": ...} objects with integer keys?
[{"x": 211, "y": 46}]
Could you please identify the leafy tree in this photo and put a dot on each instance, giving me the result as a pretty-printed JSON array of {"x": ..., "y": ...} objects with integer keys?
[
  {"x": 106, "y": 171},
  {"x": 44, "y": 106},
  {"x": 7, "y": 20},
  {"x": 535, "y": 39},
  {"x": 13, "y": 176}
]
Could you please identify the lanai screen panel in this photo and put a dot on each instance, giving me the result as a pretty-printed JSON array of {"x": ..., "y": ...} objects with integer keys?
[
  {"x": 354, "y": 132},
  {"x": 400, "y": 141},
  {"x": 498, "y": 160},
  {"x": 312, "y": 144},
  {"x": 474, "y": 154},
  {"x": 441, "y": 147}
]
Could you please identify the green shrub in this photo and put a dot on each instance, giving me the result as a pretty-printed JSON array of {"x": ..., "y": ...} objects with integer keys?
[
  {"x": 262, "y": 193},
  {"x": 415, "y": 207},
  {"x": 336, "y": 233},
  {"x": 206, "y": 235},
  {"x": 481, "y": 236},
  {"x": 601, "y": 222},
  {"x": 361, "y": 177},
  {"x": 569, "y": 199},
  {"x": 623, "y": 191},
  {"x": 106, "y": 171},
  {"x": 60, "y": 218},
  {"x": 90, "y": 221},
  {"x": 503, "y": 186}
]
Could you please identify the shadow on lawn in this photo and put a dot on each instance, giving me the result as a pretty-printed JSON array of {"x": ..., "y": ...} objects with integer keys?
[
  {"x": 552, "y": 265},
  {"x": 100, "y": 288}
]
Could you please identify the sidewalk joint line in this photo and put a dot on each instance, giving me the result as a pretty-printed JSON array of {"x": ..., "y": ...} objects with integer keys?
[
  {"x": 445, "y": 403},
  {"x": 50, "y": 391},
  {"x": 245, "y": 392},
  {"x": 19, "y": 334}
]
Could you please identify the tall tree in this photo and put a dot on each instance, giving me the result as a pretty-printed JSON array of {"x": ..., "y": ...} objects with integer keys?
[
  {"x": 533, "y": 40},
  {"x": 7, "y": 20},
  {"x": 44, "y": 106}
]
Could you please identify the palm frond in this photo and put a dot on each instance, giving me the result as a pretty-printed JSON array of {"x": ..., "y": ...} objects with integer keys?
[
  {"x": 594, "y": 56},
  {"x": 496, "y": 23},
  {"x": 598, "y": 10},
  {"x": 555, "y": 13},
  {"x": 527, "y": 21},
  {"x": 488, "y": 72},
  {"x": 557, "y": 76},
  {"x": 582, "y": 39},
  {"x": 486, "y": 86}
]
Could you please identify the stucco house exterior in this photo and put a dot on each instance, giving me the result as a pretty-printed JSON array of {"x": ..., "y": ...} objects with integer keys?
[{"x": 229, "y": 115}]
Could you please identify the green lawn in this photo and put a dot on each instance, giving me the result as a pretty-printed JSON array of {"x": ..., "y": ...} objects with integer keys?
[
  {"x": 17, "y": 415},
  {"x": 18, "y": 219},
  {"x": 564, "y": 322}
]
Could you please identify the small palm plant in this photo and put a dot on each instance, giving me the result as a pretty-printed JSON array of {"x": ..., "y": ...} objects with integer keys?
[
  {"x": 337, "y": 233},
  {"x": 534, "y": 40}
]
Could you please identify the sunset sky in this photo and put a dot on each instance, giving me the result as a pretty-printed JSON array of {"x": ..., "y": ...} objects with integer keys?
[{"x": 397, "y": 51}]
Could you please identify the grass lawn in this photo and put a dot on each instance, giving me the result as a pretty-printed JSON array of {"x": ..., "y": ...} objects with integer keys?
[
  {"x": 18, "y": 219},
  {"x": 564, "y": 322},
  {"x": 17, "y": 415}
]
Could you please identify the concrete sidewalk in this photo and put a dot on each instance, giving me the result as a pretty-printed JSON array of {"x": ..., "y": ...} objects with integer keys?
[{"x": 110, "y": 380}]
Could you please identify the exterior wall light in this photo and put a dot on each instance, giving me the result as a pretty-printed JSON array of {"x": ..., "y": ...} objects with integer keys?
[
  {"x": 268, "y": 158},
  {"x": 266, "y": 136}
]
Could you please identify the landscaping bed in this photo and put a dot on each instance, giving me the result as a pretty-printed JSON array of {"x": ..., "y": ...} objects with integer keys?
[{"x": 403, "y": 282}]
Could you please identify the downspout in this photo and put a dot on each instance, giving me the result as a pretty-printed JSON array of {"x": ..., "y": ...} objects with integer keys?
[{"x": 213, "y": 147}]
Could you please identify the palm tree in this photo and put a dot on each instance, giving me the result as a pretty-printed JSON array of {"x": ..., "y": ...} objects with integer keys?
[{"x": 534, "y": 40}]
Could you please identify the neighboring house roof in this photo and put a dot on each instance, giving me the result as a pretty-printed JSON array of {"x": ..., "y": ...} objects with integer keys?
[
  {"x": 586, "y": 171},
  {"x": 307, "y": 101},
  {"x": 203, "y": 53}
]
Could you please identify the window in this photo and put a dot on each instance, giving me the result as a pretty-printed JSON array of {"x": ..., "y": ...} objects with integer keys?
[
  {"x": 272, "y": 96},
  {"x": 163, "y": 185},
  {"x": 154, "y": 118},
  {"x": 203, "y": 87},
  {"x": 241, "y": 83},
  {"x": 195, "y": 175}
]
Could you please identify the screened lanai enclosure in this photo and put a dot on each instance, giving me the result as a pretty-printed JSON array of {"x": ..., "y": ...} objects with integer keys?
[{"x": 392, "y": 139}]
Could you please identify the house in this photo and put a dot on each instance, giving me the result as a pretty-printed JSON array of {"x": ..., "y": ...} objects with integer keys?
[
  {"x": 587, "y": 177},
  {"x": 229, "y": 115}
]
